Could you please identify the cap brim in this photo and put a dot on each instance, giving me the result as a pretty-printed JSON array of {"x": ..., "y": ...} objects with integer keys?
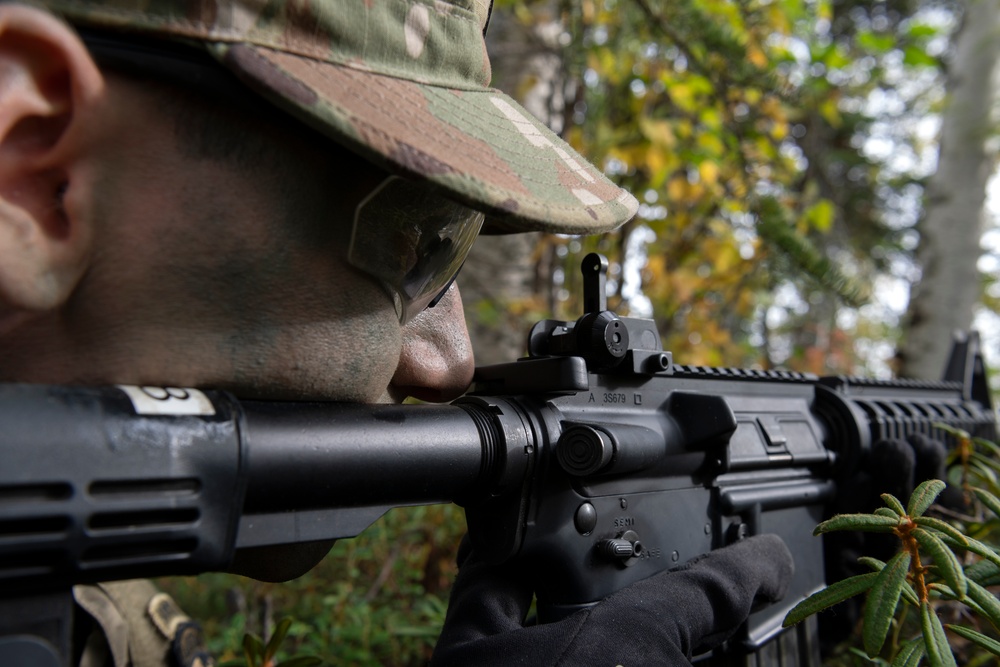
[{"x": 479, "y": 145}]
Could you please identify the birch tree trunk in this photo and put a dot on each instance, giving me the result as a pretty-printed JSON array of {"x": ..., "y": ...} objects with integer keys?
[
  {"x": 945, "y": 298},
  {"x": 499, "y": 279}
]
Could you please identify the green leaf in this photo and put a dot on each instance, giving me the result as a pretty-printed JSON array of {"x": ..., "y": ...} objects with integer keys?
[
  {"x": 922, "y": 30},
  {"x": 981, "y": 640},
  {"x": 923, "y": 496},
  {"x": 968, "y": 601},
  {"x": 985, "y": 461},
  {"x": 910, "y": 653},
  {"x": 938, "y": 651},
  {"x": 916, "y": 57},
  {"x": 885, "y": 511},
  {"x": 942, "y": 527},
  {"x": 273, "y": 644},
  {"x": 984, "y": 573},
  {"x": 829, "y": 596},
  {"x": 877, "y": 565},
  {"x": 253, "y": 648},
  {"x": 880, "y": 608},
  {"x": 872, "y": 523},
  {"x": 893, "y": 503},
  {"x": 910, "y": 594},
  {"x": 820, "y": 215},
  {"x": 988, "y": 444},
  {"x": 874, "y": 563},
  {"x": 976, "y": 547},
  {"x": 988, "y": 499},
  {"x": 945, "y": 560},
  {"x": 878, "y": 42},
  {"x": 987, "y": 601},
  {"x": 985, "y": 471}
]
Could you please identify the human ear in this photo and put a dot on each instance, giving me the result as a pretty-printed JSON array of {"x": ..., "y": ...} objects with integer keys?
[{"x": 48, "y": 81}]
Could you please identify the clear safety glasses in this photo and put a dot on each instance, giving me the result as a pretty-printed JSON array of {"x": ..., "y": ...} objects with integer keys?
[{"x": 413, "y": 240}]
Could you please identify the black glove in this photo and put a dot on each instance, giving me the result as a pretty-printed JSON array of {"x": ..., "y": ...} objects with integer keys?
[{"x": 663, "y": 620}]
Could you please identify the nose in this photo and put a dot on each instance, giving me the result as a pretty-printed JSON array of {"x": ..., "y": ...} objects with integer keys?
[{"x": 436, "y": 362}]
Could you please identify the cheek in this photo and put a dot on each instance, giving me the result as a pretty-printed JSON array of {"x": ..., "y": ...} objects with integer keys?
[
  {"x": 366, "y": 352},
  {"x": 337, "y": 344}
]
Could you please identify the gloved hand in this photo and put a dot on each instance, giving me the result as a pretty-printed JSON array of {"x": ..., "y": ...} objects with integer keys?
[{"x": 663, "y": 620}]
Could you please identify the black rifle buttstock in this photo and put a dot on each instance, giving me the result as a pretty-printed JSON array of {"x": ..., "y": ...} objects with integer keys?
[
  {"x": 112, "y": 483},
  {"x": 92, "y": 489}
]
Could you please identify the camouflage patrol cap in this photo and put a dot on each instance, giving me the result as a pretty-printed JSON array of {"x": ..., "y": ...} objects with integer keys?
[{"x": 404, "y": 83}]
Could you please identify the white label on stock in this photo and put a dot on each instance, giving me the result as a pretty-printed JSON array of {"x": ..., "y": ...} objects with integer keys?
[{"x": 168, "y": 401}]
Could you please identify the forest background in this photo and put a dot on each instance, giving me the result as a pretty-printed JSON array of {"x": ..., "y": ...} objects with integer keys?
[{"x": 814, "y": 179}]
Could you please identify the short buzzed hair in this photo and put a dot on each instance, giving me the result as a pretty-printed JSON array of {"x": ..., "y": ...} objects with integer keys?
[{"x": 216, "y": 117}]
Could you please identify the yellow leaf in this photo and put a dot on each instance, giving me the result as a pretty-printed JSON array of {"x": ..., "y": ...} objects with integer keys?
[
  {"x": 766, "y": 148},
  {"x": 779, "y": 19},
  {"x": 683, "y": 95},
  {"x": 824, "y": 10},
  {"x": 683, "y": 283},
  {"x": 677, "y": 189},
  {"x": 656, "y": 164},
  {"x": 709, "y": 172},
  {"x": 820, "y": 215},
  {"x": 757, "y": 57},
  {"x": 658, "y": 131},
  {"x": 771, "y": 107},
  {"x": 711, "y": 118},
  {"x": 828, "y": 109},
  {"x": 695, "y": 192},
  {"x": 711, "y": 143}
]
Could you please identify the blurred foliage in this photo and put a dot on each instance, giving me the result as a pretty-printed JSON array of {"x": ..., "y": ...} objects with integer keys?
[
  {"x": 378, "y": 599},
  {"x": 746, "y": 130}
]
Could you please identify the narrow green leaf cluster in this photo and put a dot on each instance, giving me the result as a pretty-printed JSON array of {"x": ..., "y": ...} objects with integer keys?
[
  {"x": 871, "y": 523},
  {"x": 935, "y": 641},
  {"x": 257, "y": 654},
  {"x": 923, "y": 496},
  {"x": 926, "y": 571},
  {"x": 880, "y": 608}
]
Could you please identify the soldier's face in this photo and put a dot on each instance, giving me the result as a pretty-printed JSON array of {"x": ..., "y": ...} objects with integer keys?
[{"x": 210, "y": 275}]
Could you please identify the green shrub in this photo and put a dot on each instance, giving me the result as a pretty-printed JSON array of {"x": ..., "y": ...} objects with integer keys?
[
  {"x": 943, "y": 568},
  {"x": 378, "y": 599}
]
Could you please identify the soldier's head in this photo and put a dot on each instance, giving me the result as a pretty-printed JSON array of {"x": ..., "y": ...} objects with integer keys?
[{"x": 260, "y": 195}]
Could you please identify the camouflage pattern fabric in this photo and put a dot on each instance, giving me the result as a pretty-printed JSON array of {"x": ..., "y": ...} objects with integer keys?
[
  {"x": 136, "y": 625},
  {"x": 404, "y": 83}
]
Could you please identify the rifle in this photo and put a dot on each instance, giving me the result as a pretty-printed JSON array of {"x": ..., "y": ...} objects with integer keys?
[{"x": 596, "y": 459}]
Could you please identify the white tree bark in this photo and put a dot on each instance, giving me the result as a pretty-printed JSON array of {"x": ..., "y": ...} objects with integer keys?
[{"x": 949, "y": 289}]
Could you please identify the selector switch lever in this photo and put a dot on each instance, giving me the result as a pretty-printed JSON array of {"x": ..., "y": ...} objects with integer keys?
[{"x": 624, "y": 550}]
